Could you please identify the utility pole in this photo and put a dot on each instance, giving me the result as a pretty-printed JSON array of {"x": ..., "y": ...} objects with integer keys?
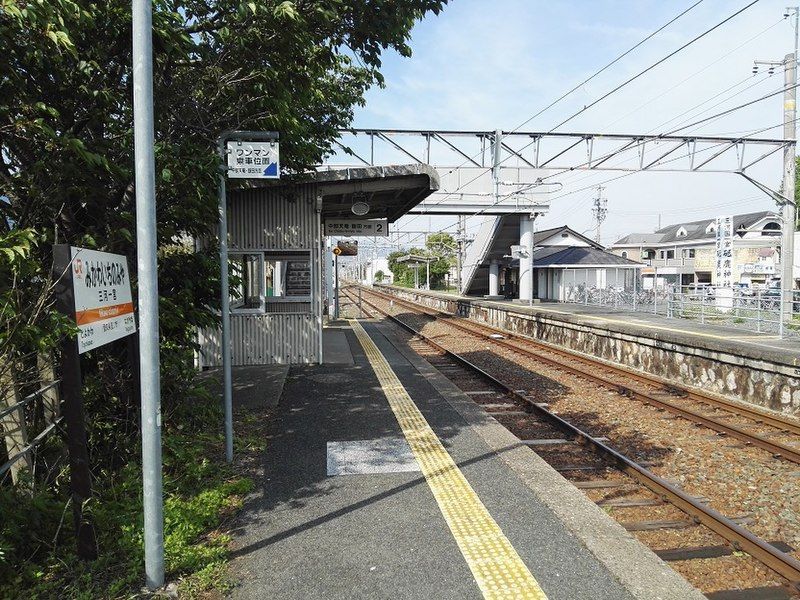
[
  {"x": 147, "y": 271},
  {"x": 599, "y": 211},
  {"x": 787, "y": 202},
  {"x": 789, "y": 209}
]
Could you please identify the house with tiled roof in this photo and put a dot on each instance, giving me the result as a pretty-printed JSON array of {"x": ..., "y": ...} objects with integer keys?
[{"x": 685, "y": 252}]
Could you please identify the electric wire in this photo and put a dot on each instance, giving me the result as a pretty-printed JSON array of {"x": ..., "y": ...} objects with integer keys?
[
  {"x": 595, "y": 74},
  {"x": 695, "y": 74},
  {"x": 655, "y": 64}
]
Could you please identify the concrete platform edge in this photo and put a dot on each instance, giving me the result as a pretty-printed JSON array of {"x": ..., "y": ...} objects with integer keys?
[{"x": 634, "y": 565}]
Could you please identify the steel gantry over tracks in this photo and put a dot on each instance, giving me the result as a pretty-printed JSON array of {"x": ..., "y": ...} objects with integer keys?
[{"x": 532, "y": 161}]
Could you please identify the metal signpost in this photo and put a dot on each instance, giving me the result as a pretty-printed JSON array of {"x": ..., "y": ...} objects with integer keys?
[{"x": 243, "y": 155}]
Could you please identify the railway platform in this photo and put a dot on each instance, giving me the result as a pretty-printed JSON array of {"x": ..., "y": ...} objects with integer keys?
[{"x": 381, "y": 479}]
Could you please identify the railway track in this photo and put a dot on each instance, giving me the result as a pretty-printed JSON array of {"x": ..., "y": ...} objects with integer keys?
[
  {"x": 664, "y": 395},
  {"x": 772, "y": 554}
]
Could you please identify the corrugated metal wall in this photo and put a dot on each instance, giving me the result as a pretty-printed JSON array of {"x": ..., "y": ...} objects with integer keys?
[
  {"x": 266, "y": 339},
  {"x": 274, "y": 219}
]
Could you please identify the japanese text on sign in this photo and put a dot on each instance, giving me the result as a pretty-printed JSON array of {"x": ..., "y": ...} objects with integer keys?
[
  {"x": 348, "y": 227},
  {"x": 253, "y": 160},
  {"x": 724, "y": 251},
  {"x": 103, "y": 301}
]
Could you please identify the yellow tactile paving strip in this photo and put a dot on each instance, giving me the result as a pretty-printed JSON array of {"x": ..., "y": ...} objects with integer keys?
[{"x": 496, "y": 566}]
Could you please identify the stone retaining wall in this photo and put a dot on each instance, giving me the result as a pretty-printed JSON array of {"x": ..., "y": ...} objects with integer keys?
[{"x": 724, "y": 368}]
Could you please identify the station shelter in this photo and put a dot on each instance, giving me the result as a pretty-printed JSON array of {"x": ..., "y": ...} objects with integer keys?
[
  {"x": 562, "y": 260},
  {"x": 278, "y": 261}
]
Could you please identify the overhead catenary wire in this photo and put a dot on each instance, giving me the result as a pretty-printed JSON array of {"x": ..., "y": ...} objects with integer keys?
[
  {"x": 654, "y": 65},
  {"x": 650, "y": 101},
  {"x": 577, "y": 87},
  {"x": 613, "y": 91}
]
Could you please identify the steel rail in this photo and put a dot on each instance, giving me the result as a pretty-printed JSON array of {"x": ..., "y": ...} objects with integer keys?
[
  {"x": 754, "y": 414},
  {"x": 739, "y": 537}
]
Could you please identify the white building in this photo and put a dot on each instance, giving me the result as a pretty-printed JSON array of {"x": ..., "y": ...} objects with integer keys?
[{"x": 685, "y": 253}]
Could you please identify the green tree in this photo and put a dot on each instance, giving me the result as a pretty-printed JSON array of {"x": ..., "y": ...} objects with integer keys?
[
  {"x": 66, "y": 150},
  {"x": 444, "y": 247},
  {"x": 379, "y": 275},
  {"x": 66, "y": 138}
]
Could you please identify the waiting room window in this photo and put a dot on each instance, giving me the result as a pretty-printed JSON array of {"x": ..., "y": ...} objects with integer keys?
[
  {"x": 288, "y": 277},
  {"x": 670, "y": 253},
  {"x": 246, "y": 290},
  {"x": 267, "y": 281},
  {"x": 690, "y": 252}
]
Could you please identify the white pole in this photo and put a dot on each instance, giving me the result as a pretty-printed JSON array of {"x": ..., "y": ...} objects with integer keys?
[
  {"x": 147, "y": 271},
  {"x": 428, "y": 275},
  {"x": 788, "y": 210}
]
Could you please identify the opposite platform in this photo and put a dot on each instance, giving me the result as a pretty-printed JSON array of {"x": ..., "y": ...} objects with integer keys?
[
  {"x": 743, "y": 365},
  {"x": 472, "y": 523}
]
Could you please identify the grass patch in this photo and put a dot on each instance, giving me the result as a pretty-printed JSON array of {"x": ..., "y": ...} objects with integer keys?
[{"x": 201, "y": 493}]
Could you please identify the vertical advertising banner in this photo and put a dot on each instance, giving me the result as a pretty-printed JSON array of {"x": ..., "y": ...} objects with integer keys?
[
  {"x": 724, "y": 252},
  {"x": 103, "y": 302}
]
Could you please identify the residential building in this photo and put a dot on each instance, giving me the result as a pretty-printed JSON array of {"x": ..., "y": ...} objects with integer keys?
[{"x": 685, "y": 253}]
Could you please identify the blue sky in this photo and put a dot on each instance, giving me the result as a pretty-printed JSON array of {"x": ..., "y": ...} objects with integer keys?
[{"x": 487, "y": 65}]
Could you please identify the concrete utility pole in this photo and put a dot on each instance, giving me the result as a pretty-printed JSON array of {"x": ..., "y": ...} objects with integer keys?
[
  {"x": 789, "y": 209},
  {"x": 600, "y": 211},
  {"x": 146, "y": 268}
]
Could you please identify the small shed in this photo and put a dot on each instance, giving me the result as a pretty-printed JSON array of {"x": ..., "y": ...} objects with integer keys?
[
  {"x": 276, "y": 256},
  {"x": 416, "y": 262}
]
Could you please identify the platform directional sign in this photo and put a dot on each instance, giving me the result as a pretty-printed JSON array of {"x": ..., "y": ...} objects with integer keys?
[
  {"x": 352, "y": 227},
  {"x": 253, "y": 160}
]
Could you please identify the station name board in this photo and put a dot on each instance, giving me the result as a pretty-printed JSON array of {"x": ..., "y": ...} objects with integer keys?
[
  {"x": 102, "y": 294},
  {"x": 351, "y": 227}
]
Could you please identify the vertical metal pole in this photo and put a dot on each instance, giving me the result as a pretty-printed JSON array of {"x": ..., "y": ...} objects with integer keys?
[
  {"x": 147, "y": 272},
  {"x": 655, "y": 293},
  {"x": 336, "y": 285},
  {"x": 703, "y": 308},
  {"x": 460, "y": 254},
  {"x": 329, "y": 276},
  {"x": 225, "y": 308},
  {"x": 530, "y": 253},
  {"x": 428, "y": 275},
  {"x": 586, "y": 287},
  {"x": 635, "y": 287},
  {"x": 789, "y": 209},
  {"x": 758, "y": 312},
  {"x": 360, "y": 313}
]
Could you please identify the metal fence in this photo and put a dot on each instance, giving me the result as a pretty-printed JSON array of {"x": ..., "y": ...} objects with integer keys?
[
  {"x": 755, "y": 310},
  {"x": 23, "y": 434}
]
